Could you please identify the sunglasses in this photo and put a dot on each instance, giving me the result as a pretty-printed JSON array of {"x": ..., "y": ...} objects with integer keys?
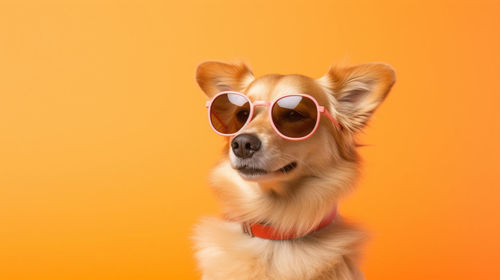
[{"x": 293, "y": 117}]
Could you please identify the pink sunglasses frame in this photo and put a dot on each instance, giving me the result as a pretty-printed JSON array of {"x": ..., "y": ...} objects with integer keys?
[{"x": 320, "y": 109}]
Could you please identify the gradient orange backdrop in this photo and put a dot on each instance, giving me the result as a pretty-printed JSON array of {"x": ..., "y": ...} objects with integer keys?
[{"x": 105, "y": 146}]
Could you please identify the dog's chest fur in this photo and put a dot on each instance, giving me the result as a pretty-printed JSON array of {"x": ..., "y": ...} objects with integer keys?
[{"x": 225, "y": 252}]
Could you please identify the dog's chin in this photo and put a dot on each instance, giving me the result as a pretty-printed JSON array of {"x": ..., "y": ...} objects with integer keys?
[{"x": 256, "y": 174}]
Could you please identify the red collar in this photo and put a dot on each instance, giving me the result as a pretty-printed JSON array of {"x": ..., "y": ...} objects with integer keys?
[{"x": 269, "y": 232}]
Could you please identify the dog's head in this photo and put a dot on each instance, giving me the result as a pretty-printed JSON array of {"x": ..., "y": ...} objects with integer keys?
[{"x": 258, "y": 153}]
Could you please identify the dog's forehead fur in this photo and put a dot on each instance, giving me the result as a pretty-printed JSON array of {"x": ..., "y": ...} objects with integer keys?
[{"x": 272, "y": 86}]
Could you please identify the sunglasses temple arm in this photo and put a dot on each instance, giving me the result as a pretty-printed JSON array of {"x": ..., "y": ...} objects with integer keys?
[{"x": 329, "y": 116}]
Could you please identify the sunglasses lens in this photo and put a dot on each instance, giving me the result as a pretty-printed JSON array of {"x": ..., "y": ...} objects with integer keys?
[
  {"x": 295, "y": 116},
  {"x": 229, "y": 112}
]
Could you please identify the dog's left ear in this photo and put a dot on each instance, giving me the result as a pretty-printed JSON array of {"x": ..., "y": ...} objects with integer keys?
[
  {"x": 215, "y": 76},
  {"x": 358, "y": 91}
]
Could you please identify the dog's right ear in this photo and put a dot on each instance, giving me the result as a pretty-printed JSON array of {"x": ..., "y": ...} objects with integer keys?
[{"x": 214, "y": 77}]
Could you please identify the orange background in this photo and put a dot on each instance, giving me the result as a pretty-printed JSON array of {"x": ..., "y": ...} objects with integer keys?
[{"x": 105, "y": 146}]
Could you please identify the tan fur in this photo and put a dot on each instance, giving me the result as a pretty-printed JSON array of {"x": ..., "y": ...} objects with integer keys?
[{"x": 327, "y": 169}]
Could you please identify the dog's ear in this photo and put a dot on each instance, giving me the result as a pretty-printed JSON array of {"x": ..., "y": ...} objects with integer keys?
[
  {"x": 357, "y": 91},
  {"x": 215, "y": 76}
]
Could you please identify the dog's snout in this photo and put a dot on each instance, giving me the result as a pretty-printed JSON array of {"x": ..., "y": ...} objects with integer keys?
[{"x": 245, "y": 145}]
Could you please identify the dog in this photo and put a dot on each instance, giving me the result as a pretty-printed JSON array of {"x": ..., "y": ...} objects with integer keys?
[{"x": 290, "y": 157}]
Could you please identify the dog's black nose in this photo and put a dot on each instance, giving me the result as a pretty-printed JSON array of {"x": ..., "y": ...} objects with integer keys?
[{"x": 245, "y": 145}]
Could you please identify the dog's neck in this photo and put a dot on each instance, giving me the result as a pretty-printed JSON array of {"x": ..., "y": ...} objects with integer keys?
[
  {"x": 301, "y": 206},
  {"x": 283, "y": 188},
  {"x": 274, "y": 187},
  {"x": 267, "y": 231}
]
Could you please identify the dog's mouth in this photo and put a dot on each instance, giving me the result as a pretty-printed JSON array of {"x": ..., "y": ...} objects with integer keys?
[{"x": 257, "y": 172}]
